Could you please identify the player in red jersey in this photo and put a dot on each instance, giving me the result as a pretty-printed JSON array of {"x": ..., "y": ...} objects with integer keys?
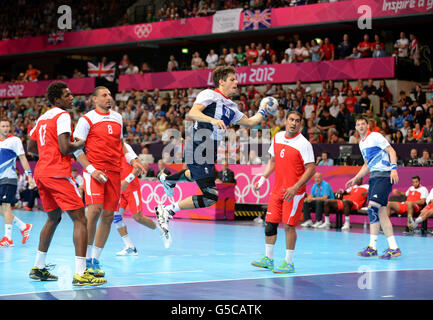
[
  {"x": 353, "y": 199},
  {"x": 130, "y": 197},
  {"x": 292, "y": 158},
  {"x": 102, "y": 131},
  {"x": 51, "y": 139}
]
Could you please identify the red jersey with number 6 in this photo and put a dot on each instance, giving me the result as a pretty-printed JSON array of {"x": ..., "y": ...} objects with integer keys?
[
  {"x": 52, "y": 163},
  {"x": 103, "y": 134},
  {"x": 291, "y": 155}
]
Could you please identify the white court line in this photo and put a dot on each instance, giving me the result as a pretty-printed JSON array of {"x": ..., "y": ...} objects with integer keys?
[
  {"x": 204, "y": 281},
  {"x": 169, "y": 272}
]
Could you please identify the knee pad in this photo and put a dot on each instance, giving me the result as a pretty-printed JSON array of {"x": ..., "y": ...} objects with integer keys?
[
  {"x": 209, "y": 198},
  {"x": 373, "y": 213},
  {"x": 118, "y": 220},
  {"x": 271, "y": 229}
]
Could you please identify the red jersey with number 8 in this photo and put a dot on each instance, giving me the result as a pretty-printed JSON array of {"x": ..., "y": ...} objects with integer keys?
[
  {"x": 52, "y": 163},
  {"x": 103, "y": 134}
]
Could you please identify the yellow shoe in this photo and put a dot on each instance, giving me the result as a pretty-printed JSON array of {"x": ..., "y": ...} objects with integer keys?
[{"x": 87, "y": 279}]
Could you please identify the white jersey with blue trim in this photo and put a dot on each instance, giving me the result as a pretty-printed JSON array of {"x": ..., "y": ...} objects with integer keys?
[
  {"x": 219, "y": 107},
  {"x": 10, "y": 149},
  {"x": 373, "y": 150}
]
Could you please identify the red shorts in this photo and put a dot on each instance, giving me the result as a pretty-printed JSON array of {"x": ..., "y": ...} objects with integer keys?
[
  {"x": 131, "y": 199},
  {"x": 355, "y": 206},
  {"x": 288, "y": 212},
  {"x": 59, "y": 193},
  {"x": 403, "y": 208},
  {"x": 107, "y": 194},
  {"x": 428, "y": 207}
]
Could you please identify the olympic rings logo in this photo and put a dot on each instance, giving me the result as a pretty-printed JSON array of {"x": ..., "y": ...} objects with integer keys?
[
  {"x": 143, "y": 30},
  {"x": 249, "y": 188},
  {"x": 157, "y": 194}
]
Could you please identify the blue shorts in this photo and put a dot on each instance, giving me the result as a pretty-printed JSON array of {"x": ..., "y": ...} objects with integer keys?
[
  {"x": 379, "y": 190},
  {"x": 8, "y": 193},
  {"x": 200, "y": 164}
]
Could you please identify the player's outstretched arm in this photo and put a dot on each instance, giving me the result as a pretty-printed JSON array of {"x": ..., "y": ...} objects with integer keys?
[
  {"x": 270, "y": 167},
  {"x": 255, "y": 119},
  {"x": 196, "y": 114},
  {"x": 360, "y": 174}
]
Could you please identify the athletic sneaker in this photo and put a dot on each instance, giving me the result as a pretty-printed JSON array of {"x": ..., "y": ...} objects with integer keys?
[
  {"x": 264, "y": 262},
  {"x": 43, "y": 274},
  {"x": 345, "y": 227},
  {"x": 96, "y": 269},
  {"x": 6, "y": 242},
  {"x": 87, "y": 279},
  {"x": 307, "y": 223},
  {"x": 325, "y": 225},
  {"x": 26, "y": 232},
  {"x": 163, "y": 217},
  {"x": 166, "y": 237},
  {"x": 390, "y": 253},
  {"x": 285, "y": 268},
  {"x": 317, "y": 224},
  {"x": 127, "y": 251},
  {"x": 368, "y": 252},
  {"x": 168, "y": 187}
]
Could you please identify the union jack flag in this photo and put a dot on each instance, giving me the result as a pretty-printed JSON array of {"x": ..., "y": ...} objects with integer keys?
[
  {"x": 256, "y": 19},
  {"x": 55, "y": 37},
  {"x": 101, "y": 71}
]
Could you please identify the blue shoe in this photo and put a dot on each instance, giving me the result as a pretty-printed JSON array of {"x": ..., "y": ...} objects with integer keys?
[
  {"x": 168, "y": 187},
  {"x": 368, "y": 252},
  {"x": 285, "y": 268},
  {"x": 96, "y": 269},
  {"x": 264, "y": 262}
]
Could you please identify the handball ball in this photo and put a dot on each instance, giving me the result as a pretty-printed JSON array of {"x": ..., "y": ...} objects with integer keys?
[{"x": 270, "y": 104}]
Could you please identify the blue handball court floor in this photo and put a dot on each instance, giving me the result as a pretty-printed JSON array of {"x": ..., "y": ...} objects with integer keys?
[{"x": 211, "y": 261}]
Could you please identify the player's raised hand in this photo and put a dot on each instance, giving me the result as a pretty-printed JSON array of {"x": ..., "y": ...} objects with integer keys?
[
  {"x": 219, "y": 124},
  {"x": 99, "y": 176}
]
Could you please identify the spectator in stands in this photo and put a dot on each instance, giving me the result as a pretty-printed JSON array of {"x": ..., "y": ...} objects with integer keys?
[
  {"x": 252, "y": 54},
  {"x": 299, "y": 52},
  {"x": 402, "y": 46},
  {"x": 345, "y": 87},
  {"x": 350, "y": 101},
  {"x": 334, "y": 108},
  {"x": 364, "y": 102},
  {"x": 414, "y": 54},
  {"x": 384, "y": 93},
  {"x": 286, "y": 59},
  {"x": 124, "y": 64},
  {"x": 230, "y": 56},
  {"x": 355, "y": 138},
  {"x": 409, "y": 136},
  {"x": 413, "y": 160},
  {"x": 427, "y": 132},
  {"x": 212, "y": 59},
  {"x": 131, "y": 69},
  {"x": 404, "y": 99},
  {"x": 226, "y": 175},
  {"x": 32, "y": 74},
  {"x": 354, "y": 55},
  {"x": 147, "y": 173},
  {"x": 324, "y": 159},
  {"x": 344, "y": 48},
  {"x": 365, "y": 47},
  {"x": 314, "y": 201},
  {"x": 309, "y": 107},
  {"x": 327, "y": 51},
  {"x": 145, "y": 68},
  {"x": 386, "y": 131},
  {"x": 370, "y": 87},
  {"x": 398, "y": 137},
  {"x": 78, "y": 180},
  {"x": 416, "y": 197},
  {"x": 162, "y": 167},
  {"x": 359, "y": 87},
  {"x": 326, "y": 122},
  {"x": 425, "y": 160},
  {"x": 241, "y": 57},
  {"x": 345, "y": 121},
  {"x": 378, "y": 52},
  {"x": 253, "y": 158},
  {"x": 417, "y": 132},
  {"x": 315, "y": 51},
  {"x": 314, "y": 134},
  {"x": 420, "y": 96},
  {"x": 268, "y": 53},
  {"x": 172, "y": 64}
]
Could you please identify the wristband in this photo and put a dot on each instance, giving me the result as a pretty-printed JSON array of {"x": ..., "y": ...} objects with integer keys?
[
  {"x": 263, "y": 112},
  {"x": 90, "y": 169},
  {"x": 130, "y": 177},
  {"x": 28, "y": 172},
  {"x": 393, "y": 166},
  {"x": 77, "y": 153},
  {"x": 261, "y": 181},
  {"x": 130, "y": 156}
]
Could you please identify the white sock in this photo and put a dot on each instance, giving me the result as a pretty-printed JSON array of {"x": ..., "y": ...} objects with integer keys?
[
  {"x": 40, "y": 259},
  {"x": 270, "y": 251},
  {"x": 392, "y": 243},
  {"x": 80, "y": 265},
  {"x": 96, "y": 252},
  {"x": 89, "y": 252},
  {"x": 373, "y": 240},
  {"x": 347, "y": 220},
  {"x": 174, "y": 207},
  {"x": 326, "y": 219},
  {"x": 418, "y": 221},
  {"x": 127, "y": 241},
  {"x": 8, "y": 231},
  {"x": 289, "y": 255},
  {"x": 21, "y": 225}
]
